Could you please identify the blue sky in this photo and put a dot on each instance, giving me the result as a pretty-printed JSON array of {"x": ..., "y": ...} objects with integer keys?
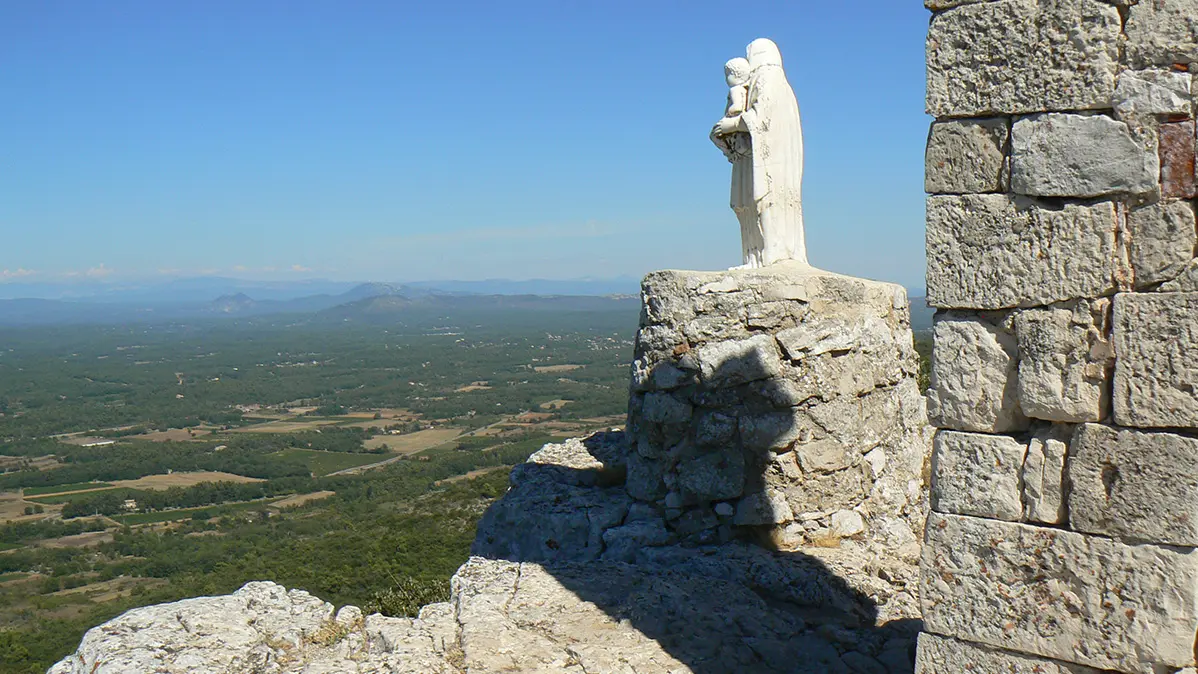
[{"x": 412, "y": 141}]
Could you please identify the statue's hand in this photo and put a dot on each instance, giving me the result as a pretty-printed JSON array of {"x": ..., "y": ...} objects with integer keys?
[{"x": 725, "y": 126}]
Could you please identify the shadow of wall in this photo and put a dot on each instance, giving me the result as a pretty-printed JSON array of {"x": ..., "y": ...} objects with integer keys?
[
  {"x": 733, "y": 607},
  {"x": 709, "y": 526}
]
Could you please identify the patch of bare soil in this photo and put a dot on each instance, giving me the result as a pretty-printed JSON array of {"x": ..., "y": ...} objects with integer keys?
[
  {"x": 78, "y": 540},
  {"x": 471, "y": 475},
  {"x": 174, "y": 435},
  {"x": 567, "y": 367},
  {"x": 186, "y": 479},
  {"x": 301, "y": 499}
]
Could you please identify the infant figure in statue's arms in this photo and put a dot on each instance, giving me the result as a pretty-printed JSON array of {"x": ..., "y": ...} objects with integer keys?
[{"x": 737, "y": 144}]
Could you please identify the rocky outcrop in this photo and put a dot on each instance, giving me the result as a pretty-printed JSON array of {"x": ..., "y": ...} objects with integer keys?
[
  {"x": 581, "y": 579},
  {"x": 263, "y": 627}
]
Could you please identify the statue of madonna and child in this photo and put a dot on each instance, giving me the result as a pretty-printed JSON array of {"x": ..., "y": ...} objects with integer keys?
[{"x": 762, "y": 137}]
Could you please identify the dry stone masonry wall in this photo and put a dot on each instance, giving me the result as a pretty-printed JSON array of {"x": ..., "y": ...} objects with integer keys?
[
  {"x": 1061, "y": 260},
  {"x": 779, "y": 403}
]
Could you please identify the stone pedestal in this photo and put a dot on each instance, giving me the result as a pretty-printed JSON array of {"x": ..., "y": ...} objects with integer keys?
[{"x": 780, "y": 403}]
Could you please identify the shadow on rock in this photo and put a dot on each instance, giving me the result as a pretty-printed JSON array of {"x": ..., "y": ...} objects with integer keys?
[
  {"x": 583, "y": 546},
  {"x": 762, "y": 510}
]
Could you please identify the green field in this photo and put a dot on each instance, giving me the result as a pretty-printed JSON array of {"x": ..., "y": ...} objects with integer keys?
[
  {"x": 8, "y": 546},
  {"x": 59, "y": 488},
  {"x": 187, "y": 513},
  {"x": 323, "y": 463}
]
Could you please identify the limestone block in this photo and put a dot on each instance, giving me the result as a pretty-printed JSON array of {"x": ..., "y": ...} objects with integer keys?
[
  {"x": 1162, "y": 241},
  {"x": 644, "y": 481},
  {"x": 939, "y": 655},
  {"x": 1022, "y": 56},
  {"x": 978, "y": 475},
  {"x": 974, "y": 376},
  {"x": 774, "y": 315},
  {"x": 1156, "y": 359},
  {"x": 845, "y": 523},
  {"x": 1177, "y": 154},
  {"x": 763, "y": 508},
  {"x": 858, "y": 424},
  {"x": 786, "y": 466},
  {"x": 992, "y": 251},
  {"x": 1186, "y": 281},
  {"x": 1134, "y": 485},
  {"x": 821, "y": 492},
  {"x": 642, "y": 377},
  {"x": 713, "y": 327},
  {"x": 775, "y": 431},
  {"x": 1065, "y": 155},
  {"x": 658, "y": 340},
  {"x": 867, "y": 333},
  {"x": 967, "y": 156},
  {"x": 1058, "y": 594},
  {"x": 1044, "y": 479},
  {"x": 623, "y": 542},
  {"x": 667, "y": 377},
  {"x": 825, "y": 456},
  {"x": 736, "y": 362},
  {"x": 664, "y": 303},
  {"x": 936, "y": 5},
  {"x": 876, "y": 458},
  {"x": 856, "y": 372},
  {"x": 718, "y": 476},
  {"x": 715, "y": 429},
  {"x": 664, "y": 408},
  {"x": 1162, "y": 33},
  {"x": 1152, "y": 92},
  {"x": 1064, "y": 361}
]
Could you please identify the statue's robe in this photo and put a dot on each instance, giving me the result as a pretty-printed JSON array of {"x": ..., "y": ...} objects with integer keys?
[{"x": 773, "y": 122}]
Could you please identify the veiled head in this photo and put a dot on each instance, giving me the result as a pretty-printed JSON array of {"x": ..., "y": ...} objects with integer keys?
[
  {"x": 736, "y": 71},
  {"x": 763, "y": 52}
]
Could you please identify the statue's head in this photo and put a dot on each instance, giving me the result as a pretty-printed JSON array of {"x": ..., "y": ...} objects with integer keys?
[
  {"x": 736, "y": 71},
  {"x": 763, "y": 52}
]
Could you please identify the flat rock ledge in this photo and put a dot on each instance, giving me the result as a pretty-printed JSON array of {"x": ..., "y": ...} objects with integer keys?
[{"x": 592, "y": 582}]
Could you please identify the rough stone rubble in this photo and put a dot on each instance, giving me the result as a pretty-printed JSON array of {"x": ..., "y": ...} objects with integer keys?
[{"x": 1061, "y": 259}]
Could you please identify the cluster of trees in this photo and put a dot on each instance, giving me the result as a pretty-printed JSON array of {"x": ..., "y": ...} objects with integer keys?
[
  {"x": 20, "y": 532},
  {"x": 129, "y": 460},
  {"x": 248, "y": 454},
  {"x": 31, "y": 447},
  {"x": 923, "y": 346}
]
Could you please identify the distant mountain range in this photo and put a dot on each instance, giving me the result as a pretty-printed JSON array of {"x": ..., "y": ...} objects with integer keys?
[
  {"x": 204, "y": 288},
  {"x": 366, "y": 302},
  {"x": 319, "y": 300}
]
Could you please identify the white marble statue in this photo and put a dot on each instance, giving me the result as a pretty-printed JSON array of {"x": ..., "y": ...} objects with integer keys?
[{"x": 767, "y": 175}]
